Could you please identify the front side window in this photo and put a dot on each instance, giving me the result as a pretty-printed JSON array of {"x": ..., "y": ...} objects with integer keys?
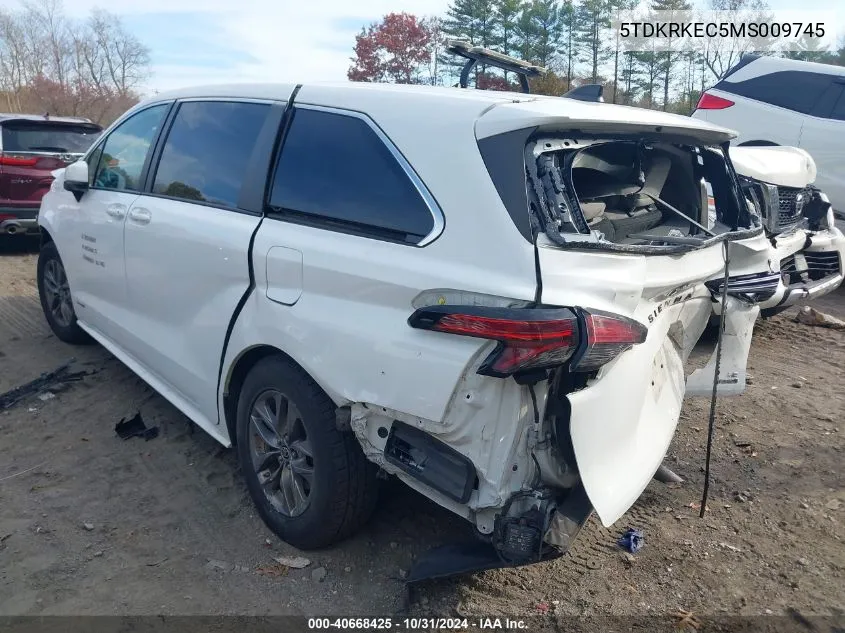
[
  {"x": 120, "y": 160},
  {"x": 335, "y": 168},
  {"x": 207, "y": 152}
]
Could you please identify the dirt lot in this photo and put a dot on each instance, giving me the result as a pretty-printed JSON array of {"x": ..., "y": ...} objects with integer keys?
[{"x": 91, "y": 524}]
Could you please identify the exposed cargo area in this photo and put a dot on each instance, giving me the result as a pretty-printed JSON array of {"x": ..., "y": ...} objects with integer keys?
[{"x": 632, "y": 192}]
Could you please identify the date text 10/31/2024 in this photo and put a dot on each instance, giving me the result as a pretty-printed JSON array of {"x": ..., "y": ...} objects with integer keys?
[{"x": 414, "y": 624}]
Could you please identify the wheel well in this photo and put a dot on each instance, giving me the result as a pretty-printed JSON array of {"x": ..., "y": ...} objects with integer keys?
[
  {"x": 237, "y": 375},
  {"x": 46, "y": 238}
]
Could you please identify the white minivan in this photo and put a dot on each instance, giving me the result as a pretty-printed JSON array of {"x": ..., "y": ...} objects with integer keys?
[
  {"x": 776, "y": 101},
  {"x": 490, "y": 296}
]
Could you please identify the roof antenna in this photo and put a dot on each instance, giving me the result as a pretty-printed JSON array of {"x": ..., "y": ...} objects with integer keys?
[
  {"x": 711, "y": 424},
  {"x": 46, "y": 115}
]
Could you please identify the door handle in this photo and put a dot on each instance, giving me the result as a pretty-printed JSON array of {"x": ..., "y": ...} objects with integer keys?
[
  {"x": 116, "y": 210},
  {"x": 140, "y": 216}
]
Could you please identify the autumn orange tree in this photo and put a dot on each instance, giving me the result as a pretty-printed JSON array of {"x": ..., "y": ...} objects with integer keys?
[{"x": 393, "y": 50}]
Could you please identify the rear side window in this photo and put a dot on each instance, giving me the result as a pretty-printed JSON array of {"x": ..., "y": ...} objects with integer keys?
[
  {"x": 838, "y": 112},
  {"x": 207, "y": 151},
  {"x": 790, "y": 89},
  {"x": 336, "y": 168},
  {"x": 59, "y": 138}
]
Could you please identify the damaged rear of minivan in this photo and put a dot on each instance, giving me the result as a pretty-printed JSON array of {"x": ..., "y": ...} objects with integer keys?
[{"x": 615, "y": 202}]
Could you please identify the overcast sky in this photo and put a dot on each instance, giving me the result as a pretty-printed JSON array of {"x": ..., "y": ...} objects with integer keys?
[{"x": 219, "y": 41}]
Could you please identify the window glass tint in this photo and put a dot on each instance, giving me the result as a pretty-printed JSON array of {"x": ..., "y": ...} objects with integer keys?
[
  {"x": 839, "y": 109},
  {"x": 61, "y": 138},
  {"x": 336, "y": 167},
  {"x": 207, "y": 151},
  {"x": 94, "y": 162},
  {"x": 790, "y": 89},
  {"x": 121, "y": 160}
]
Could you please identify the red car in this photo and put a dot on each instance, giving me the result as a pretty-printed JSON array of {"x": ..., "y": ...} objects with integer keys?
[{"x": 31, "y": 147}]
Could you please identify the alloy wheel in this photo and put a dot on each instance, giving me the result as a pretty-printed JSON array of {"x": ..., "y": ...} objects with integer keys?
[
  {"x": 281, "y": 450},
  {"x": 57, "y": 293}
]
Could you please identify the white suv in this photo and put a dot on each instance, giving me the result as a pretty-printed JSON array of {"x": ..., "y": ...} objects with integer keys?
[
  {"x": 490, "y": 296},
  {"x": 775, "y": 101}
]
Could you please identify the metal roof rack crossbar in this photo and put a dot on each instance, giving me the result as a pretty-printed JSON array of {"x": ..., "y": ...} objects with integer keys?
[{"x": 477, "y": 54}]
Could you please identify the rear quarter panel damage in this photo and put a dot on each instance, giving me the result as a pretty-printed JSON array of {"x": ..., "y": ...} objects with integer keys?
[{"x": 623, "y": 421}]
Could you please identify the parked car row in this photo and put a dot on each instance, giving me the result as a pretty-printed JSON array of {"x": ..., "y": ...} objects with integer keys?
[{"x": 490, "y": 296}]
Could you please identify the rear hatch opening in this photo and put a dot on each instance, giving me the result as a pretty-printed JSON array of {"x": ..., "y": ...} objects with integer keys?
[{"x": 634, "y": 193}]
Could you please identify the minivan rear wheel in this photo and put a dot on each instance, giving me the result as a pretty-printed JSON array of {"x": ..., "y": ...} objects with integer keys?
[
  {"x": 56, "y": 299},
  {"x": 310, "y": 482}
]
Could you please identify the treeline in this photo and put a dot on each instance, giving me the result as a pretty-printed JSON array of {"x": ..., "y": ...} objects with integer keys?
[
  {"x": 572, "y": 38},
  {"x": 51, "y": 63}
]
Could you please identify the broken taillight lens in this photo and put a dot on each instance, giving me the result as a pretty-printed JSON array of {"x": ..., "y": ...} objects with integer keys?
[
  {"x": 535, "y": 338},
  {"x": 712, "y": 102},
  {"x": 528, "y": 338},
  {"x": 608, "y": 335}
]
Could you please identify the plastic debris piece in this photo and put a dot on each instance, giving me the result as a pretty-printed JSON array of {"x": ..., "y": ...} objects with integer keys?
[
  {"x": 135, "y": 427},
  {"x": 631, "y": 541},
  {"x": 294, "y": 562},
  {"x": 811, "y": 316},
  {"x": 45, "y": 380}
]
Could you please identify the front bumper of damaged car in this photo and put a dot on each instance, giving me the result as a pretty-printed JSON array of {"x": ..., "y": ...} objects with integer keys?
[
  {"x": 806, "y": 250},
  {"x": 810, "y": 264},
  {"x": 793, "y": 268}
]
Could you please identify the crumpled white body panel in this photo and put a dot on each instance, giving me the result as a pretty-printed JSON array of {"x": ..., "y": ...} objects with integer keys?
[{"x": 781, "y": 166}]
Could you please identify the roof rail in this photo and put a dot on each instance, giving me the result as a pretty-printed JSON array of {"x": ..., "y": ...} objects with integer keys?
[{"x": 477, "y": 54}]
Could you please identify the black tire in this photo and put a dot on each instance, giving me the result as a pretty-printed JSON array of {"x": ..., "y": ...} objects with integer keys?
[
  {"x": 343, "y": 490},
  {"x": 64, "y": 325}
]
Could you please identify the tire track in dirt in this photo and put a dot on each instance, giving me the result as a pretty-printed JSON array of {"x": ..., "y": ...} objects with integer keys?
[{"x": 21, "y": 317}]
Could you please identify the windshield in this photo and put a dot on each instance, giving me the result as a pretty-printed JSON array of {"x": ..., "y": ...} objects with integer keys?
[{"x": 64, "y": 138}]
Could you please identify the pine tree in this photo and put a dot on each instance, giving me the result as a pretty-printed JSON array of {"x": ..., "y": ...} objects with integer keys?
[
  {"x": 473, "y": 20},
  {"x": 669, "y": 58},
  {"x": 570, "y": 50},
  {"x": 617, "y": 7},
  {"x": 506, "y": 26},
  {"x": 811, "y": 50},
  {"x": 629, "y": 76},
  {"x": 592, "y": 19},
  {"x": 649, "y": 71},
  {"x": 540, "y": 29}
]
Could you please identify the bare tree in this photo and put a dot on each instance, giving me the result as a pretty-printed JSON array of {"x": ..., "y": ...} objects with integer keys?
[
  {"x": 50, "y": 63},
  {"x": 721, "y": 53}
]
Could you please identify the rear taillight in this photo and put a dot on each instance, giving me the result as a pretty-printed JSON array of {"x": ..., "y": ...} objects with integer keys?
[
  {"x": 17, "y": 161},
  {"x": 535, "y": 338},
  {"x": 608, "y": 335},
  {"x": 712, "y": 102}
]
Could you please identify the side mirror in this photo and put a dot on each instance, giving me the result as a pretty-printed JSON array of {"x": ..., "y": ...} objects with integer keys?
[{"x": 76, "y": 178}]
